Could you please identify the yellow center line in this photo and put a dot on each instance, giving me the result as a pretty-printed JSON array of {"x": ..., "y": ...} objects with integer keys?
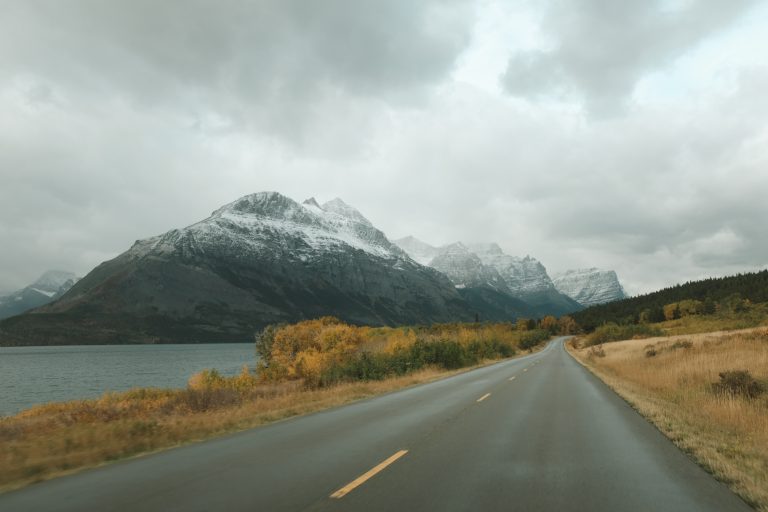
[
  {"x": 483, "y": 397},
  {"x": 512, "y": 378},
  {"x": 363, "y": 478}
]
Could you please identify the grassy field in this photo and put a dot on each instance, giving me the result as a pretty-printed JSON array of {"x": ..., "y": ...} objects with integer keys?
[
  {"x": 683, "y": 385},
  {"x": 754, "y": 316},
  {"x": 304, "y": 367}
]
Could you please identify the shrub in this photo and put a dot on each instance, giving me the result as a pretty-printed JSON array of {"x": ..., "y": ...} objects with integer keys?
[
  {"x": 325, "y": 351},
  {"x": 650, "y": 352},
  {"x": 532, "y": 338},
  {"x": 681, "y": 344},
  {"x": 596, "y": 351},
  {"x": 738, "y": 383},
  {"x": 614, "y": 332},
  {"x": 206, "y": 379}
]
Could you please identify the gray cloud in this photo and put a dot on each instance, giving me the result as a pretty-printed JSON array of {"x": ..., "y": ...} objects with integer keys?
[
  {"x": 255, "y": 63},
  {"x": 601, "y": 48},
  {"x": 121, "y": 120}
]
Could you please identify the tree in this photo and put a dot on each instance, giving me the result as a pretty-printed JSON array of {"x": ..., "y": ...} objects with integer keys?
[
  {"x": 567, "y": 325},
  {"x": 549, "y": 323},
  {"x": 672, "y": 311}
]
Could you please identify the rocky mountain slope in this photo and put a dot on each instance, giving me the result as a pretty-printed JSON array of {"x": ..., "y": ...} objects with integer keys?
[
  {"x": 420, "y": 251},
  {"x": 487, "y": 267},
  {"x": 47, "y": 288},
  {"x": 465, "y": 269},
  {"x": 590, "y": 286},
  {"x": 259, "y": 260}
]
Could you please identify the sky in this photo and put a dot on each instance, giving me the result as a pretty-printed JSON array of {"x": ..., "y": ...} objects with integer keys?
[{"x": 629, "y": 135}]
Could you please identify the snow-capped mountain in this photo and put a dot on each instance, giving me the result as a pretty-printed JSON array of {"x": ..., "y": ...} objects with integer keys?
[
  {"x": 48, "y": 287},
  {"x": 590, "y": 286},
  {"x": 465, "y": 269},
  {"x": 522, "y": 275},
  {"x": 420, "y": 251},
  {"x": 269, "y": 224},
  {"x": 486, "y": 266},
  {"x": 261, "y": 259}
]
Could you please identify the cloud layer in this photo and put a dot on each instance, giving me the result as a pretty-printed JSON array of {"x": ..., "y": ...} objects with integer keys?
[
  {"x": 628, "y": 138},
  {"x": 600, "y": 49}
]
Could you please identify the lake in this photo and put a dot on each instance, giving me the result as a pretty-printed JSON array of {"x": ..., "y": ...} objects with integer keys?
[{"x": 35, "y": 375}]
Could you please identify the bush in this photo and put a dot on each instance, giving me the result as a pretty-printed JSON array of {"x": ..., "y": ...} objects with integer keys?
[
  {"x": 596, "y": 351},
  {"x": 532, "y": 338},
  {"x": 614, "y": 332},
  {"x": 206, "y": 379},
  {"x": 738, "y": 383},
  {"x": 681, "y": 344},
  {"x": 325, "y": 351}
]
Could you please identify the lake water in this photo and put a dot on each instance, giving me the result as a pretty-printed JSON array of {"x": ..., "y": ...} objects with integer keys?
[{"x": 35, "y": 375}]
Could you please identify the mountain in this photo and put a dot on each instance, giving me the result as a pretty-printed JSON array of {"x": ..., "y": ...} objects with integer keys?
[
  {"x": 528, "y": 280},
  {"x": 465, "y": 269},
  {"x": 479, "y": 284},
  {"x": 420, "y": 251},
  {"x": 48, "y": 287},
  {"x": 486, "y": 266},
  {"x": 523, "y": 275},
  {"x": 261, "y": 259},
  {"x": 590, "y": 286}
]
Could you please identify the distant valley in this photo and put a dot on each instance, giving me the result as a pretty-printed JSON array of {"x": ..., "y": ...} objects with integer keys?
[{"x": 266, "y": 258}]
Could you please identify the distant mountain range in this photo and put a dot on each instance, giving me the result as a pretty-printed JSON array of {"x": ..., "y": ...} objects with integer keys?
[
  {"x": 485, "y": 267},
  {"x": 48, "y": 287},
  {"x": 266, "y": 258}
]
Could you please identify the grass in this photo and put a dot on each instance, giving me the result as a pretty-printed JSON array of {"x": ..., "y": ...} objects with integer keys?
[
  {"x": 59, "y": 438},
  {"x": 676, "y": 383},
  {"x": 754, "y": 316},
  {"x": 613, "y": 332}
]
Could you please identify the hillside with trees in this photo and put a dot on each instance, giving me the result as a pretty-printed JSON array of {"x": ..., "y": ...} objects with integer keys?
[{"x": 733, "y": 293}]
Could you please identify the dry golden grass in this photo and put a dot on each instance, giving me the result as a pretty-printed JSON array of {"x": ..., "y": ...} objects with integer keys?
[
  {"x": 59, "y": 438},
  {"x": 726, "y": 434},
  {"x": 754, "y": 316}
]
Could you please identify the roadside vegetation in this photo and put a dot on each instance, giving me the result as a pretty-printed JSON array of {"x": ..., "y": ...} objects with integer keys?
[
  {"x": 689, "y": 316},
  {"x": 326, "y": 351},
  {"x": 707, "y": 392},
  {"x": 301, "y": 368},
  {"x": 724, "y": 295}
]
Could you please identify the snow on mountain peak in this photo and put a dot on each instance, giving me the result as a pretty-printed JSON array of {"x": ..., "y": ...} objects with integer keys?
[
  {"x": 52, "y": 280},
  {"x": 590, "y": 286},
  {"x": 339, "y": 207},
  {"x": 266, "y": 204},
  {"x": 457, "y": 248},
  {"x": 485, "y": 248},
  {"x": 464, "y": 268},
  {"x": 459, "y": 261},
  {"x": 270, "y": 221},
  {"x": 420, "y": 252}
]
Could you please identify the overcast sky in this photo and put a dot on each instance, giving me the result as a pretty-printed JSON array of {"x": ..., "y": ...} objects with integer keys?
[{"x": 625, "y": 135}]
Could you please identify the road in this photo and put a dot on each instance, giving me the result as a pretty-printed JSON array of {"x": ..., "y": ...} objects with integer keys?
[{"x": 534, "y": 433}]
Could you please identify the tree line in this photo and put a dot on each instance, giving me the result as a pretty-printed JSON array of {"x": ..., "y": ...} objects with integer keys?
[{"x": 694, "y": 297}]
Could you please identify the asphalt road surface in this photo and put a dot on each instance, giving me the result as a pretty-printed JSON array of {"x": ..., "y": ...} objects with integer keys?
[{"x": 530, "y": 434}]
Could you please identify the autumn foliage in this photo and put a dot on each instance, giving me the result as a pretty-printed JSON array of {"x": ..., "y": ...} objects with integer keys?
[{"x": 326, "y": 350}]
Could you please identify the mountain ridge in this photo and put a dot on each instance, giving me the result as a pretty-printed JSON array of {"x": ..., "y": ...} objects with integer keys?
[
  {"x": 523, "y": 279},
  {"x": 590, "y": 286},
  {"x": 51, "y": 285},
  {"x": 261, "y": 259}
]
